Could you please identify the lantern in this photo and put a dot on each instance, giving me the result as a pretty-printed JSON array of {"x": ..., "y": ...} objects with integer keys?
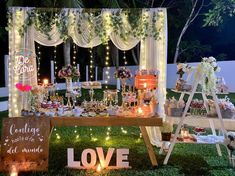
[{"x": 146, "y": 81}]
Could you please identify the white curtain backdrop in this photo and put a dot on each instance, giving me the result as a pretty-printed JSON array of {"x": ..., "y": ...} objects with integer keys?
[{"x": 153, "y": 53}]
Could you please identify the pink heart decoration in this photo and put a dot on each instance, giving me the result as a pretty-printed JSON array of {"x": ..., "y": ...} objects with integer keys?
[
  {"x": 23, "y": 88},
  {"x": 27, "y": 88},
  {"x": 19, "y": 86}
]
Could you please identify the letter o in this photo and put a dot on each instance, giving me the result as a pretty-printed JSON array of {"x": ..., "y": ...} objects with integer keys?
[{"x": 93, "y": 158}]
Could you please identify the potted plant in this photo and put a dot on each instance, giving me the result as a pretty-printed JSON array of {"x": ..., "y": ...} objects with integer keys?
[{"x": 166, "y": 130}]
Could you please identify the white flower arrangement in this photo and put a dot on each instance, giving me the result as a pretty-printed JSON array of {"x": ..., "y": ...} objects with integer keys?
[
  {"x": 212, "y": 61},
  {"x": 208, "y": 67},
  {"x": 183, "y": 68}
]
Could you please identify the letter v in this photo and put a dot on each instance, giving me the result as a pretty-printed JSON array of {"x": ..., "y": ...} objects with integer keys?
[{"x": 104, "y": 162}]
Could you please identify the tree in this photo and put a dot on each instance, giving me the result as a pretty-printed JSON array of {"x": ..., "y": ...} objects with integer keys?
[
  {"x": 195, "y": 10},
  {"x": 218, "y": 11},
  {"x": 190, "y": 50}
]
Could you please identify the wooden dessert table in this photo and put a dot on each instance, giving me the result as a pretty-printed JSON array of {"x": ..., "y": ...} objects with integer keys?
[{"x": 140, "y": 122}]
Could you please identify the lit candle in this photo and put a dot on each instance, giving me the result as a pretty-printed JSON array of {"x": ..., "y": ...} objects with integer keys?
[
  {"x": 140, "y": 111},
  {"x": 98, "y": 168},
  {"x": 45, "y": 82},
  {"x": 145, "y": 85},
  {"x": 13, "y": 171}
]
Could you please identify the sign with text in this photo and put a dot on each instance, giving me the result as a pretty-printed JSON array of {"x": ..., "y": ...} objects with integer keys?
[
  {"x": 24, "y": 64},
  {"x": 90, "y": 158},
  {"x": 25, "y": 144}
]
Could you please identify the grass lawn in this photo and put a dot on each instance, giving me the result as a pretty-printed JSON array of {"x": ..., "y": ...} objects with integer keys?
[{"x": 186, "y": 159}]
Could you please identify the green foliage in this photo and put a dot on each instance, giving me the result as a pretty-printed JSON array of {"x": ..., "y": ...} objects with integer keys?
[
  {"x": 44, "y": 19},
  {"x": 218, "y": 11}
]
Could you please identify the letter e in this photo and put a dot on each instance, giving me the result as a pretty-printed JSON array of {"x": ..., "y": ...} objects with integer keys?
[{"x": 122, "y": 154}]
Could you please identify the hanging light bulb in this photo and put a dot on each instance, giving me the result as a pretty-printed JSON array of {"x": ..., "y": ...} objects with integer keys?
[
  {"x": 74, "y": 54},
  {"x": 91, "y": 64},
  {"x": 39, "y": 61},
  {"x": 107, "y": 59},
  {"x": 124, "y": 58},
  {"x": 55, "y": 64}
]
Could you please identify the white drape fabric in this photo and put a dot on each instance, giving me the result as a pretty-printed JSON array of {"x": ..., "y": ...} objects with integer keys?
[
  {"x": 153, "y": 52},
  {"x": 153, "y": 55}
]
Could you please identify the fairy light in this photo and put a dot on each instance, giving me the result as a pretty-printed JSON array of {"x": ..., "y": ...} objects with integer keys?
[
  {"x": 57, "y": 136},
  {"x": 39, "y": 62},
  {"x": 14, "y": 78},
  {"x": 107, "y": 59},
  {"x": 77, "y": 136},
  {"x": 74, "y": 54},
  {"x": 55, "y": 63},
  {"x": 91, "y": 136},
  {"x": 10, "y": 75},
  {"x": 124, "y": 58},
  {"x": 108, "y": 132},
  {"x": 123, "y": 131},
  {"x": 91, "y": 64}
]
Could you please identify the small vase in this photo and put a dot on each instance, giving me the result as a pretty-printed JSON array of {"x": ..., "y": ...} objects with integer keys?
[
  {"x": 123, "y": 81},
  {"x": 69, "y": 84}
]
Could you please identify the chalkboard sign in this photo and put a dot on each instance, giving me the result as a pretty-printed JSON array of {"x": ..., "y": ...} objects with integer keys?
[{"x": 25, "y": 144}]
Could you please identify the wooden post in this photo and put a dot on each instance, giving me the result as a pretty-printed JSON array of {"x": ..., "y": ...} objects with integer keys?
[
  {"x": 149, "y": 146},
  {"x": 52, "y": 72}
]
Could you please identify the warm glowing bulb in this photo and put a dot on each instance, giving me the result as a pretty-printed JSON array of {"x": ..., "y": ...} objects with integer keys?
[
  {"x": 45, "y": 82},
  {"x": 98, "y": 168},
  {"x": 145, "y": 85},
  {"x": 14, "y": 171},
  {"x": 140, "y": 111}
]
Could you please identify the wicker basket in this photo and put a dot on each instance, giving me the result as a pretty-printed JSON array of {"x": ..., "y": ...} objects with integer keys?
[{"x": 166, "y": 136}]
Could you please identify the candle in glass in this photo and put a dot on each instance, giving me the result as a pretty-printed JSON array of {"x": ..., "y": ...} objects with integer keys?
[
  {"x": 140, "y": 111},
  {"x": 45, "y": 82}
]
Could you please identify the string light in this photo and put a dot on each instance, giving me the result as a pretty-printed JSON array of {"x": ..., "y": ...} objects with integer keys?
[
  {"x": 57, "y": 136},
  {"x": 140, "y": 138},
  {"x": 124, "y": 58},
  {"x": 75, "y": 132},
  {"x": 74, "y": 54},
  {"x": 55, "y": 64},
  {"x": 91, "y": 136},
  {"x": 125, "y": 63},
  {"x": 108, "y": 133},
  {"x": 91, "y": 64},
  {"x": 123, "y": 131},
  {"x": 107, "y": 59},
  {"x": 39, "y": 62}
]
